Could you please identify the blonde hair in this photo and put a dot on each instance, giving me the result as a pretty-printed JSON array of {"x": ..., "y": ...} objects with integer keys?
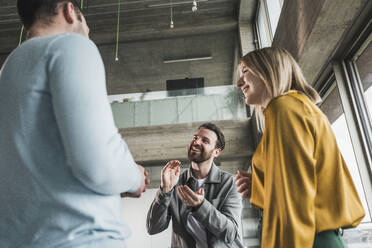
[{"x": 280, "y": 73}]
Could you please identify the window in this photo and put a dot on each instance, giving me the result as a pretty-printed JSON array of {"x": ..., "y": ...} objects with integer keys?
[
  {"x": 262, "y": 27},
  {"x": 332, "y": 107},
  {"x": 267, "y": 19},
  {"x": 364, "y": 66},
  {"x": 274, "y": 9},
  {"x": 352, "y": 69}
]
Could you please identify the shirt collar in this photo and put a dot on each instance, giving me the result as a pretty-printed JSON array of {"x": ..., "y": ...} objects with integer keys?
[{"x": 214, "y": 175}]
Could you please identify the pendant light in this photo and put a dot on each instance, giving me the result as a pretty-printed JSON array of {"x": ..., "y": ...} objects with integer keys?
[
  {"x": 117, "y": 33},
  {"x": 194, "y": 6},
  {"x": 171, "y": 15}
]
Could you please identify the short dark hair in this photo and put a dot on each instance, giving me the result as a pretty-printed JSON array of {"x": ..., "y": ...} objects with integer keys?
[
  {"x": 31, "y": 10},
  {"x": 220, "y": 137}
]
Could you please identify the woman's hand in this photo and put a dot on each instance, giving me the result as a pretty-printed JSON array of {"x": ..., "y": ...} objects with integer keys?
[{"x": 244, "y": 183}]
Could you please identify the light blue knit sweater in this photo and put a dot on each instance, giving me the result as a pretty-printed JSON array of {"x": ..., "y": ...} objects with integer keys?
[{"x": 63, "y": 163}]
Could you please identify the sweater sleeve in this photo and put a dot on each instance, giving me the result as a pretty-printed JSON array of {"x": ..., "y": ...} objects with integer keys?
[
  {"x": 290, "y": 176},
  {"x": 97, "y": 155}
]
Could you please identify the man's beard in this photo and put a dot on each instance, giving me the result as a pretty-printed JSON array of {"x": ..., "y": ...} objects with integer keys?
[{"x": 200, "y": 156}]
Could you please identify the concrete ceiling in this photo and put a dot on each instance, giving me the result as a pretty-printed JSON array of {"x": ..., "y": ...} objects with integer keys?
[{"x": 146, "y": 40}]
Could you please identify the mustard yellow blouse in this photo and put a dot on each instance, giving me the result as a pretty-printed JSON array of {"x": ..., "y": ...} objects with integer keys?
[{"x": 300, "y": 179}]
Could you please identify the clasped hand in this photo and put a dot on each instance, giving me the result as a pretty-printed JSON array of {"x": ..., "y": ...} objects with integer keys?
[{"x": 142, "y": 188}]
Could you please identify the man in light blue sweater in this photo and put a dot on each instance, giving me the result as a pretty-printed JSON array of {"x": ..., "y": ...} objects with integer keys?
[{"x": 63, "y": 164}]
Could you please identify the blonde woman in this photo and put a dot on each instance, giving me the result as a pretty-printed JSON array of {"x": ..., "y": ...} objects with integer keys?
[{"x": 299, "y": 178}]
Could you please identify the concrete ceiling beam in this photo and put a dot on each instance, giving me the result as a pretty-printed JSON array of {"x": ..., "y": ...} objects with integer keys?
[
  {"x": 312, "y": 30},
  {"x": 154, "y": 145},
  {"x": 247, "y": 11},
  {"x": 158, "y": 31}
]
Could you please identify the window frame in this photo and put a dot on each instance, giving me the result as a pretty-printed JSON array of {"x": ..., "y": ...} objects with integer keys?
[
  {"x": 343, "y": 69},
  {"x": 354, "y": 86},
  {"x": 270, "y": 18},
  {"x": 356, "y": 135},
  {"x": 266, "y": 24}
]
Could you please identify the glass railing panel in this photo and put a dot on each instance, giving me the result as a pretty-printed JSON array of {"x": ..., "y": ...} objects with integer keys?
[{"x": 159, "y": 108}]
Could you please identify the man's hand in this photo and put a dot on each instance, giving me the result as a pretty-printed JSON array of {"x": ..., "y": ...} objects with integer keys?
[
  {"x": 244, "y": 183},
  {"x": 144, "y": 181},
  {"x": 189, "y": 197},
  {"x": 170, "y": 175}
]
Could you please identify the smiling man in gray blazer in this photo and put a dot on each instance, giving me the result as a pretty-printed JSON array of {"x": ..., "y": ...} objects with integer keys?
[{"x": 202, "y": 202}]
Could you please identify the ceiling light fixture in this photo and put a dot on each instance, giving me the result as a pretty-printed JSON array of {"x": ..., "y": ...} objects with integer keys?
[
  {"x": 174, "y": 4},
  {"x": 194, "y": 6},
  {"x": 117, "y": 33},
  {"x": 168, "y": 61},
  {"x": 171, "y": 15}
]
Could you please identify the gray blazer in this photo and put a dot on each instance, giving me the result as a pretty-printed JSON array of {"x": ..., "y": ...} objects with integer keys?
[{"x": 219, "y": 213}]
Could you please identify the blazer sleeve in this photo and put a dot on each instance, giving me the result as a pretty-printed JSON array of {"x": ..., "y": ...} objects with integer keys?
[
  {"x": 97, "y": 155},
  {"x": 222, "y": 222},
  {"x": 159, "y": 215},
  {"x": 290, "y": 177}
]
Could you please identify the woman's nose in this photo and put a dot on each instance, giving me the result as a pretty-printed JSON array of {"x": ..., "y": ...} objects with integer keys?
[{"x": 240, "y": 83}]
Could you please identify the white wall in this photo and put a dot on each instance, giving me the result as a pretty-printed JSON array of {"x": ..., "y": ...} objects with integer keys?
[{"x": 135, "y": 213}]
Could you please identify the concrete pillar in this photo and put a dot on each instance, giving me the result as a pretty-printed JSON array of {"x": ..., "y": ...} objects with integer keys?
[
  {"x": 247, "y": 39},
  {"x": 248, "y": 44}
]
